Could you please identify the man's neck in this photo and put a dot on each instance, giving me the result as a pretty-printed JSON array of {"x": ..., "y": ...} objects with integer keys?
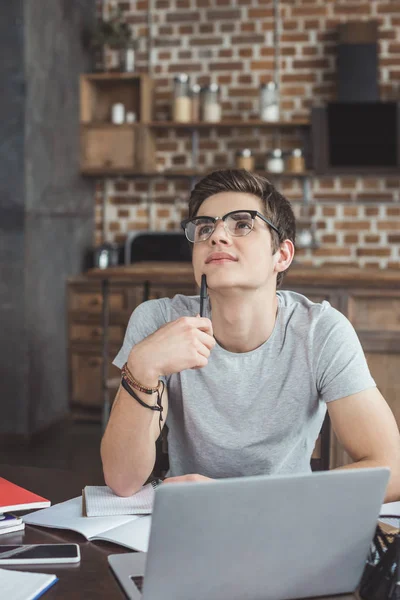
[{"x": 244, "y": 322}]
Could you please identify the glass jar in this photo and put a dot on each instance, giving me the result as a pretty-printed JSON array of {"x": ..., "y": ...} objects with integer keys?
[
  {"x": 182, "y": 104},
  {"x": 211, "y": 106},
  {"x": 275, "y": 162},
  {"x": 295, "y": 162},
  {"x": 245, "y": 159},
  {"x": 195, "y": 99},
  {"x": 269, "y": 102}
]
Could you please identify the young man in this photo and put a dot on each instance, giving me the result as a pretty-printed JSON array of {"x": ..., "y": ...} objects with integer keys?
[{"x": 247, "y": 385}]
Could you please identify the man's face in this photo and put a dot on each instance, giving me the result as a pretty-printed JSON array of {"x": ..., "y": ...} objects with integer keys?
[{"x": 249, "y": 263}]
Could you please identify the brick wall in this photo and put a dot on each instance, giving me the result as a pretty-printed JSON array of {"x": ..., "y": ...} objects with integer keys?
[{"x": 356, "y": 219}]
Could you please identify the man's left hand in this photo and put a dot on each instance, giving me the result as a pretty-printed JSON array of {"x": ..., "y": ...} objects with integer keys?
[{"x": 193, "y": 477}]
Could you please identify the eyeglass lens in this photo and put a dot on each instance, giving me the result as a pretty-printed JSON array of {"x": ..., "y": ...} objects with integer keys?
[{"x": 238, "y": 224}]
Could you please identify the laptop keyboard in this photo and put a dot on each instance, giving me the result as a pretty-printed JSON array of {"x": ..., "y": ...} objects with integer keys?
[{"x": 138, "y": 581}]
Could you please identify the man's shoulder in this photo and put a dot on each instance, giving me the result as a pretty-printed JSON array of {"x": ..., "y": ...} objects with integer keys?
[
  {"x": 299, "y": 308},
  {"x": 171, "y": 308}
]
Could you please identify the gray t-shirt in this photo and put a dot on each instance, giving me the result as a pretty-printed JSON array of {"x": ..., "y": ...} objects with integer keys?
[{"x": 257, "y": 412}]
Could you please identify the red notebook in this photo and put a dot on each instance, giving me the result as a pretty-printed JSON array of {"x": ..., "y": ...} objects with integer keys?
[{"x": 14, "y": 497}]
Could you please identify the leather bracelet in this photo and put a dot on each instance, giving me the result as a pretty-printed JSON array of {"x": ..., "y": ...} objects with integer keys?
[
  {"x": 158, "y": 407},
  {"x": 136, "y": 384}
]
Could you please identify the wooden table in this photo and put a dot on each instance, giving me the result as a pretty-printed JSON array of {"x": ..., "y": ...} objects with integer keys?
[{"x": 92, "y": 578}]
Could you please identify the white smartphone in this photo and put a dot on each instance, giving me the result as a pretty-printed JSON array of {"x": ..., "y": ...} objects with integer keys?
[{"x": 39, "y": 554}]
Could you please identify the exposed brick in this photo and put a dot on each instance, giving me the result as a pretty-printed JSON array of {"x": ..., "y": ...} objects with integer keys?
[
  {"x": 181, "y": 16},
  {"x": 314, "y": 63},
  {"x": 248, "y": 27},
  {"x": 123, "y": 213},
  {"x": 393, "y": 211},
  {"x": 348, "y": 182},
  {"x": 355, "y": 225},
  {"x": 249, "y": 40},
  {"x": 121, "y": 186},
  {"x": 206, "y": 41},
  {"x": 377, "y": 196},
  {"x": 372, "y": 239},
  {"x": 393, "y": 265},
  {"x": 261, "y": 13},
  {"x": 389, "y": 225},
  {"x": 225, "y": 53},
  {"x": 184, "y": 67},
  {"x": 246, "y": 53},
  {"x": 186, "y": 29},
  {"x": 393, "y": 238},
  {"x": 121, "y": 200},
  {"x": 136, "y": 226},
  {"x": 226, "y": 66},
  {"x": 351, "y": 238},
  {"x": 352, "y": 9},
  {"x": 114, "y": 226},
  {"x": 298, "y": 78},
  {"x": 262, "y": 65},
  {"x": 373, "y": 251},
  {"x": 163, "y": 212},
  {"x": 329, "y": 238},
  {"x": 329, "y": 211},
  {"x": 291, "y": 38},
  {"x": 332, "y": 251},
  {"x": 388, "y": 8},
  {"x": 226, "y": 27},
  {"x": 350, "y": 211},
  {"x": 216, "y": 15},
  {"x": 206, "y": 28},
  {"x": 371, "y": 211},
  {"x": 305, "y": 11}
]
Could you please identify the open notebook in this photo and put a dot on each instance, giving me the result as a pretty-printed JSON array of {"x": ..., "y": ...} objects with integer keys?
[
  {"x": 21, "y": 585},
  {"x": 131, "y": 531},
  {"x": 100, "y": 501}
]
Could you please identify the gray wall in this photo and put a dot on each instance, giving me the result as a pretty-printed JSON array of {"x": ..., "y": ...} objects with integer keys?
[{"x": 46, "y": 212}]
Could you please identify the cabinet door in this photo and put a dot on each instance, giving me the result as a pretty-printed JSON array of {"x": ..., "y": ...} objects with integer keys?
[
  {"x": 170, "y": 290},
  {"x": 86, "y": 370}
]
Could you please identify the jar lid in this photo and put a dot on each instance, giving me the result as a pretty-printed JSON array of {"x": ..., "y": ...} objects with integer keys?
[
  {"x": 213, "y": 87},
  {"x": 271, "y": 85},
  {"x": 246, "y": 153},
  {"x": 182, "y": 78},
  {"x": 195, "y": 89},
  {"x": 297, "y": 152},
  {"x": 275, "y": 153}
]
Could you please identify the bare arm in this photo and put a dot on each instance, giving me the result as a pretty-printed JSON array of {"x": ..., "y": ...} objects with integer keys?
[
  {"x": 128, "y": 445},
  {"x": 366, "y": 428}
]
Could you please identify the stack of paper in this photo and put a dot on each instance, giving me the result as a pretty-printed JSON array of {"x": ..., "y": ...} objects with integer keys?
[
  {"x": 130, "y": 531},
  {"x": 20, "y": 585},
  {"x": 100, "y": 501},
  {"x": 10, "y": 523}
]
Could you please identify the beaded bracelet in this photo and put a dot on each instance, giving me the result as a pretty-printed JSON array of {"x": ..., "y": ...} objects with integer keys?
[{"x": 136, "y": 384}]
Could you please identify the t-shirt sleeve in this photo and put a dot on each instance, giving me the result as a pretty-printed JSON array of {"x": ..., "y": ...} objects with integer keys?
[
  {"x": 145, "y": 320},
  {"x": 341, "y": 366}
]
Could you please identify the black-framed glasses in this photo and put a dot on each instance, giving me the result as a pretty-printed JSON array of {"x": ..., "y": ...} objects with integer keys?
[{"x": 237, "y": 223}]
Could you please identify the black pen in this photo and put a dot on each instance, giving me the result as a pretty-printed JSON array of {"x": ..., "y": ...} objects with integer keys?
[{"x": 203, "y": 294}]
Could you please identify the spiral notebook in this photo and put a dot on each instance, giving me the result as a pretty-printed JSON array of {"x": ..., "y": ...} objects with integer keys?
[{"x": 100, "y": 501}]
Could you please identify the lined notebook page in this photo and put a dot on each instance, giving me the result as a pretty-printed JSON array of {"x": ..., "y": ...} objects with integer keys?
[
  {"x": 100, "y": 501},
  {"x": 21, "y": 585}
]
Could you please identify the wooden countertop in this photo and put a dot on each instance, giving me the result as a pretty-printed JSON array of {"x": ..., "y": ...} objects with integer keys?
[{"x": 167, "y": 272}]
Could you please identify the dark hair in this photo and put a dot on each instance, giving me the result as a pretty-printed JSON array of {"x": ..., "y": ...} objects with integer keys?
[{"x": 276, "y": 207}]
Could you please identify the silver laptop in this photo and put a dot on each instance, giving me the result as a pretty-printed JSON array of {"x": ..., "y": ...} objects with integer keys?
[{"x": 257, "y": 538}]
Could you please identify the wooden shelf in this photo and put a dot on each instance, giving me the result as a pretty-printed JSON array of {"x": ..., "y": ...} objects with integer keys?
[
  {"x": 230, "y": 123},
  {"x": 115, "y": 76},
  {"x": 187, "y": 173}
]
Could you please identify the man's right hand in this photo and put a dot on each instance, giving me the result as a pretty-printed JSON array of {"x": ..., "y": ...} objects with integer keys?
[{"x": 182, "y": 344}]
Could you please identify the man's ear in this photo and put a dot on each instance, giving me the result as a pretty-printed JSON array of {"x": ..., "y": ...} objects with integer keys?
[{"x": 284, "y": 256}]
